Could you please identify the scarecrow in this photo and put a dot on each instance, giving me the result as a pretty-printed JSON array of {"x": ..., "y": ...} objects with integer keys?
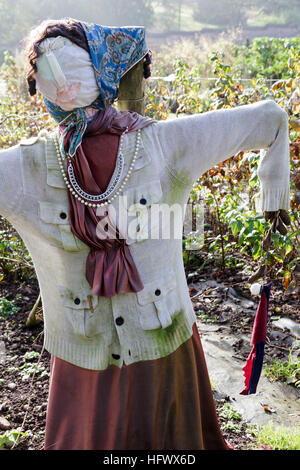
[{"x": 127, "y": 365}]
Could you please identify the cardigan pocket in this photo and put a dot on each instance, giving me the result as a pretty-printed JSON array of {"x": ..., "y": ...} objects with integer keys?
[
  {"x": 158, "y": 303},
  {"x": 81, "y": 310},
  {"x": 55, "y": 219},
  {"x": 138, "y": 201}
]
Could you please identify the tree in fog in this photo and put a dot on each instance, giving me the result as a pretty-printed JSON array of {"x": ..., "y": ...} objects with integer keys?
[
  {"x": 171, "y": 13},
  {"x": 117, "y": 12},
  {"x": 221, "y": 12},
  {"x": 236, "y": 12},
  {"x": 19, "y": 16},
  {"x": 288, "y": 9},
  {"x": 106, "y": 12}
]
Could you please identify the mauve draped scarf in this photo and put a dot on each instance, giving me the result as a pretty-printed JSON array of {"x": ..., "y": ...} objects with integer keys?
[{"x": 110, "y": 268}]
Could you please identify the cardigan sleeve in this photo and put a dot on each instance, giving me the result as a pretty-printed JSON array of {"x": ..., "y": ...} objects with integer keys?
[
  {"x": 194, "y": 144},
  {"x": 11, "y": 186}
]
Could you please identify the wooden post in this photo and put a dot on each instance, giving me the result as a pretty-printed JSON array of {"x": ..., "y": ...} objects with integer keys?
[
  {"x": 131, "y": 90},
  {"x": 36, "y": 314}
]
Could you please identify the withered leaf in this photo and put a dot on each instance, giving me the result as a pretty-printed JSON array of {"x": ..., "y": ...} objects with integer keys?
[{"x": 258, "y": 274}]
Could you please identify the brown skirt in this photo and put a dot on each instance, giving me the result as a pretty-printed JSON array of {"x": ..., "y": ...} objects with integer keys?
[{"x": 163, "y": 404}]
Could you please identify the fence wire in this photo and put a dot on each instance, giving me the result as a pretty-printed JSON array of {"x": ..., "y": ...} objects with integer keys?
[{"x": 172, "y": 77}]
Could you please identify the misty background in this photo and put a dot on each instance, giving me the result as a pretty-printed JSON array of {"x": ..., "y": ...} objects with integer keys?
[{"x": 162, "y": 18}]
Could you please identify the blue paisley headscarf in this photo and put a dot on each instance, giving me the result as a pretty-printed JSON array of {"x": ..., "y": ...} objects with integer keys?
[{"x": 113, "y": 51}]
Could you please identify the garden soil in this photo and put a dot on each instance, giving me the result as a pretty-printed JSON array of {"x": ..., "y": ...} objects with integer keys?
[{"x": 23, "y": 397}]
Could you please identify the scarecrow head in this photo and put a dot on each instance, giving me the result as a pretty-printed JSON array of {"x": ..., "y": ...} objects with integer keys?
[{"x": 79, "y": 65}]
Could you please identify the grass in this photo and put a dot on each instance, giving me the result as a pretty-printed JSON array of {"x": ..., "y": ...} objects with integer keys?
[
  {"x": 278, "y": 438},
  {"x": 287, "y": 371},
  {"x": 269, "y": 437},
  {"x": 259, "y": 19}
]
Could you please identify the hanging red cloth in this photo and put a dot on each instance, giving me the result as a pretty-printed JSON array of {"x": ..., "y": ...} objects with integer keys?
[{"x": 253, "y": 367}]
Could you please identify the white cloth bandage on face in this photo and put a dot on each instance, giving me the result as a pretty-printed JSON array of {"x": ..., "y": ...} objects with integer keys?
[{"x": 65, "y": 75}]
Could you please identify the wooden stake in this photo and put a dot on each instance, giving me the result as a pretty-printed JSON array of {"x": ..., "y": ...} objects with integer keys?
[
  {"x": 35, "y": 315},
  {"x": 131, "y": 90}
]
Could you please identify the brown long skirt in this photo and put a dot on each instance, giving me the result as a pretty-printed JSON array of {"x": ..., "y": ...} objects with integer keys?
[{"x": 163, "y": 404}]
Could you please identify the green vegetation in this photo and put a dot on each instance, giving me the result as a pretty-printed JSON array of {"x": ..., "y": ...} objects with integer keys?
[
  {"x": 11, "y": 438},
  {"x": 7, "y": 308},
  {"x": 258, "y": 12},
  {"x": 231, "y": 189},
  {"x": 232, "y": 417},
  {"x": 30, "y": 368},
  {"x": 267, "y": 437},
  {"x": 288, "y": 371},
  {"x": 31, "y": 355},
  {"x": 206, "y": 318},
  {"x": 229, "y": 412},
  {"x": 277, "y": 438},
  {"x": 265, "y": 57},
  {"x": 231, "y": 426},
  {"x": 288, "y": 11},
  {"x": 233, "y": 221},
  {"x": 14, "y": 258},
  {"x": 224, "y": 12}
]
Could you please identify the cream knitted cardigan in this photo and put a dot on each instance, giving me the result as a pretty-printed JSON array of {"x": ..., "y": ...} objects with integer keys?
[{"x": 94, "y": 332}]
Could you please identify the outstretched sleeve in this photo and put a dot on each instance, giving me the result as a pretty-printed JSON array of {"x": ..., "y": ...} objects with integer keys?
[
  {"x": 194, "y": 144},
  {"x": 11, "y": 186}
]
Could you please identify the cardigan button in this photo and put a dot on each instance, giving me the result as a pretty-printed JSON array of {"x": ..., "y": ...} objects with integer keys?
[
  {"x": 115, "y": 356},
  {"x": 77, "y": 301},
  {"x": 63, "y": 215},
  {"x": 157, "y": 292},
  {"x": 143, "y": 201},
  {"x": 119, "y": 321}
]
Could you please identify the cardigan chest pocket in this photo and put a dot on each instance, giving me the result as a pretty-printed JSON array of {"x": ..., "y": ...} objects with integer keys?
[
  {"x": 55, "y": 221},
  {"x": 81, "y": 310},
  {"x": 158, "y": 303},
  {"x": 139, "y": 225}
]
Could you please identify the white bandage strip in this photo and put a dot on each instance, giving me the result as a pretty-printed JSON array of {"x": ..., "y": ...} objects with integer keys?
[{"x": 57, "y": 72}]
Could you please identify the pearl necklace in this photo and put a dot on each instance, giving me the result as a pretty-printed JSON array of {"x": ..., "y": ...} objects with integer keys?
[{"x": 90, "y": 199}]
